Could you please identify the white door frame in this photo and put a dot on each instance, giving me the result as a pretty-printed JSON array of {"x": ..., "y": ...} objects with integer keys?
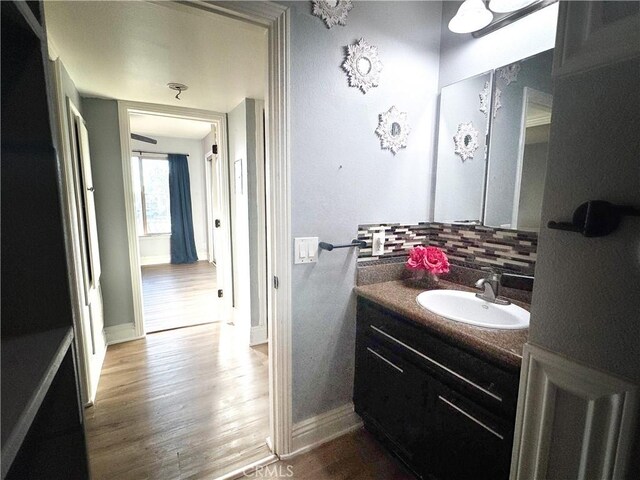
[
  {"x": 125, "y": 109},
  {"x": 209, "y": 161},
  {"x": 276, "y": 19},
  {"x": 541, "y": 98}
]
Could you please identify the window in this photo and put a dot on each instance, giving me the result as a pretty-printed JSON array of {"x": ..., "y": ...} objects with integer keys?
[{"x": 151, "y": 187}]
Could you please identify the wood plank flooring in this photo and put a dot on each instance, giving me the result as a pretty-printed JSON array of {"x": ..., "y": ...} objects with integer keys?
[
  {"x": 356, "y": 456},
  {"x": 182, "y": 404},
  {"x": 177, "y": 296}
]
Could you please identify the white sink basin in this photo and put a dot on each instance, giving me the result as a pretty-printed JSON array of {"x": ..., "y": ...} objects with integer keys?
[{"x": 465, "y": 307}]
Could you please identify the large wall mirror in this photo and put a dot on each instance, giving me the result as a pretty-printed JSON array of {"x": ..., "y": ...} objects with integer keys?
[{"x": 492, "y": 146}]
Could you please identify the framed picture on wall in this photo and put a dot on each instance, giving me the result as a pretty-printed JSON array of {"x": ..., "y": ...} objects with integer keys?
[{"x": 237, "y": 172}]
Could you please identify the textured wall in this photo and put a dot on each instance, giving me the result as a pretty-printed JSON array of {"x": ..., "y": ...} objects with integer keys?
[
  {"x": 340, "y": 178},
  {"x": 587, "y": 294}
]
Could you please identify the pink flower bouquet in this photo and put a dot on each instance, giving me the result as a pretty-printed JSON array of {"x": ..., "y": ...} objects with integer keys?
[{"x": 430, "y": 259}]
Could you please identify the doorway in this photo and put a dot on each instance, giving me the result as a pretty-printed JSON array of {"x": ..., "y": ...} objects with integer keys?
[
  {"x": 278, "y": 400},
  {"x": 172, "y": 209}
]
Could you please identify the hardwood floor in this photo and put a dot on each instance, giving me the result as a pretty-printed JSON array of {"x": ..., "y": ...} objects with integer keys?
[
  {"x": 183, "y": 404},
  {"x": 357, "y": 456},
  {"x": 178, "y": 295}
]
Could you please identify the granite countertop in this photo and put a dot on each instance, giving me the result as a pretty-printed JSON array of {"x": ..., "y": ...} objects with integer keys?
[{"x": 503, "y": 347}]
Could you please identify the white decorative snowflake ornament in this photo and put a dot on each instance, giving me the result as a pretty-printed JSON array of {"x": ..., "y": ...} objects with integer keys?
[
  {"x": 484, "y": 99},
  {"x": 363, "y": 65},
  {"x": 393, "y": 130},
  {"x": 333, "y": 12},
  {"x": 466, "y": 141},
  {"x": 510, "y": 73}
]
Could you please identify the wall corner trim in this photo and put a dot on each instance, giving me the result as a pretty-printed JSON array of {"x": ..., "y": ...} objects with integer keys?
[
  {"x": 258, "y": 335},
  {"x": 603, "y": 439},
  {"x": 315, "y": 431},
  {"x": 124, "y": 332}
]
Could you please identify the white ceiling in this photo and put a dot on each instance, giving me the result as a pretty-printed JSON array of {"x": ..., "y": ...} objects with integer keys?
[
  {"x": 151, "y": 125},
  {"x": 131, "y": 50}
]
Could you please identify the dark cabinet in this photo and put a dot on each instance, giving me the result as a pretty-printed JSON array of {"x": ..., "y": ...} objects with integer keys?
[
  {"x": 42, "y": 423},
  {"x": 468, "y": 442},
  {"x": 444, "y": 412},
  {"x": 391, "y": 395}
]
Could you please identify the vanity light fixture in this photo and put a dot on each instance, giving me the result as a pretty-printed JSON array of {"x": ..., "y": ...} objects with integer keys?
[
  {"x": 472, "y": 15},
  {"x": 505, "y": 6}
]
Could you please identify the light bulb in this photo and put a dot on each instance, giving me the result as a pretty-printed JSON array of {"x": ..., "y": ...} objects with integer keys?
[{"x": 472, "y": 16}]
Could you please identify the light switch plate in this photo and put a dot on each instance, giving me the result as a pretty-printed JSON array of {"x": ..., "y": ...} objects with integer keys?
[
  {"x": 305, "y": 250},
  {"x": 377, "y": 243}
]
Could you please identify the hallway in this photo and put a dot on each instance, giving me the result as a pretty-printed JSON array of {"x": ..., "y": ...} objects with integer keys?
[
  {"x": 186, "y": 403},
  {"x": 177, "y": 296}
]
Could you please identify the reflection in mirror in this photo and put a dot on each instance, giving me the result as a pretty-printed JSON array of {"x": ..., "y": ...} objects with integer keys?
[
  {"x": 460, "y": 168},
  {"x": 533, "y": 161},
  {"x": 518, "y": 145},
  {"x": 363, "y": 65},
  {"x": 395, "y": 129}
]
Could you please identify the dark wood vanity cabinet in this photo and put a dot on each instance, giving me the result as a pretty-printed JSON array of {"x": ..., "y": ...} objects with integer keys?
[{"x": 446, "y": 413}]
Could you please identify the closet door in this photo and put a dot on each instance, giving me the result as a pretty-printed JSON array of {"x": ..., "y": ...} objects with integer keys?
[{"x": 92, "y": 331}]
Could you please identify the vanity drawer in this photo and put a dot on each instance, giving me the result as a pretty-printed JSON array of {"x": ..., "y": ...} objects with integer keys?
[
  {"x": 468, "y": 442},
  {"x": 485, "y": 383},
  {"x": 390, "y": 394}
]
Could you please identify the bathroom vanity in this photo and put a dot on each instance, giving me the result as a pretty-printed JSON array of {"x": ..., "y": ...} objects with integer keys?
[{"x": 441, "y": 395}]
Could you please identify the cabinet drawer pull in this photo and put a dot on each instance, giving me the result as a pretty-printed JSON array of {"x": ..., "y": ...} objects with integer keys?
[
  {"x": 452, "y": 372},
  {"x": 470, "y": 417},
  {"x": 385, "y": 360}
]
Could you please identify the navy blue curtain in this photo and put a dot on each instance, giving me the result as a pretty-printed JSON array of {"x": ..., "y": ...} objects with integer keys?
[{"x": 183, "y": 245}]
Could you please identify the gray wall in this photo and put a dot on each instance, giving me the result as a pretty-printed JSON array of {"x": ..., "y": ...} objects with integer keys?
[
  {"x": 587, "y": 296},
  {"x": 341, "y": 178},
  {"x": 106, "y": 164},
  {"x": 463, "y": 56},
  {"x": 244, "y": 214}
]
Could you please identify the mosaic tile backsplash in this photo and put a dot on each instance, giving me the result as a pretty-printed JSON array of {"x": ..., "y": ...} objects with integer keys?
[{"x": 467, "y": 245}]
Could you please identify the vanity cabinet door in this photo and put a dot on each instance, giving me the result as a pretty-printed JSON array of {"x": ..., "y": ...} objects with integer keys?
[
  {"x": 468, "y": 442},
  {"x": 390, "y": 396}
]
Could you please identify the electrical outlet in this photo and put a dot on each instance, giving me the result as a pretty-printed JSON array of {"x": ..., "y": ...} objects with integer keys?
[{"x": 377, "y": 245}]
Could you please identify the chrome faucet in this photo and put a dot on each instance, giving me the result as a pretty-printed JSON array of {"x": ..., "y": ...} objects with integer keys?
[{"x": 491, "y": 284}]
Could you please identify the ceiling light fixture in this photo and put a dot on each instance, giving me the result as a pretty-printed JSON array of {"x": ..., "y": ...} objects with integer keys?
[
  {"x": 472, "y": 15},
  {"x": 505, "y": 6},
  {"x": 179, "y": 87}
]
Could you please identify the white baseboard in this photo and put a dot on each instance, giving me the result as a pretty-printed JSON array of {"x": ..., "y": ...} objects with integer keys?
[
  {"x": 155, "y": 260},
  {"x": 258, "y": 335},
  {"x": 164, "y": 259},
  {"x": 120, "y": 333},
  {"x": 323, "y": 428}
]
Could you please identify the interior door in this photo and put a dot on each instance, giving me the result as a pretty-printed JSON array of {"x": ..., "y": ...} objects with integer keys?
[
  {"x": 221, "y": 237},
  {"x": 211, "y": 207},
  {"x": 92, "y": 321}
]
